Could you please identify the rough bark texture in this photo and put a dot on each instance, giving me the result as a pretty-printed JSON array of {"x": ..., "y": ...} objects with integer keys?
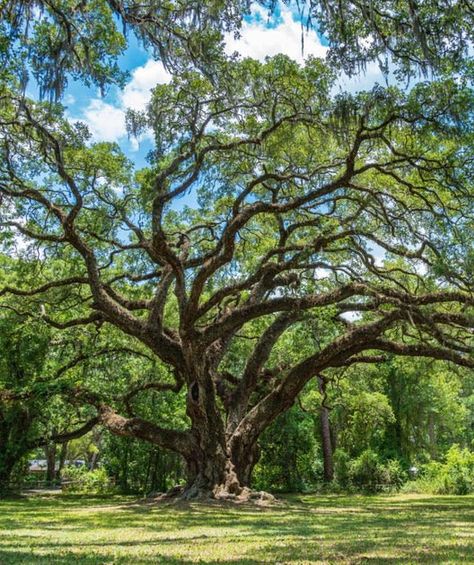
[{"x": 328, "y": 463}]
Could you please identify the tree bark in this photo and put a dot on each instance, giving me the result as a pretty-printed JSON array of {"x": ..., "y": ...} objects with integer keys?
[
  {"x": 244, "y": 457},
  {"x": 328, "y": 463},
  {"x": 62, "y": 459},
  {"x": 222, "y": 468},
  {"x": 211, "y": 472},
  {"x": 50, "y": 452}
]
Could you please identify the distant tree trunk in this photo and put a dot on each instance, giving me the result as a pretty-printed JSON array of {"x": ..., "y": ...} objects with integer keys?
[
  {"x": 432, "y": 435},
  {"x": 62, "y": 459},
  {"x": 96, "y": 440},
  {"x": 124, "y": 470},
  {"x": 157, "y": 472},
  {"x": 7, "y": 463},
  {"x": 328, "y": 463},
  {"x": 94, "y": 460},
  {"x": 50, "y": 452}
]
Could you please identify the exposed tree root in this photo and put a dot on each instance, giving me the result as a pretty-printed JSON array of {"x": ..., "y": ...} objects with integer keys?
[{"x": 218, "y": 494}]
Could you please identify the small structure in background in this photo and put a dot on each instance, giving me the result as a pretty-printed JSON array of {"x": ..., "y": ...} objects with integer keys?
[{"x": 40, "y": 465}]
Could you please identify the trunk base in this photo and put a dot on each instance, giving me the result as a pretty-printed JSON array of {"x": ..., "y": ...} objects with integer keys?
[{"x": 217, "y": 494}]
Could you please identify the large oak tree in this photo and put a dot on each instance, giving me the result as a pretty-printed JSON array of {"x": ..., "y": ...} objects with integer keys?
[{"x": 307, "y": 208}]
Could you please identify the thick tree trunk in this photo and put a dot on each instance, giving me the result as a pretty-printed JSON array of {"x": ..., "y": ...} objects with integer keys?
[
  {"x": 218, "y": 466},
  {"x": 211, "y": 476},
  {"x": 211, "y": 472},
  {"x": 244, "y": 457}
]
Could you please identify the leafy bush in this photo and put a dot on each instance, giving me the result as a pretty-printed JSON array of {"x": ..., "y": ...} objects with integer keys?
[
  {"x": 140, "y": 467},
  {"x": 81, "y": 480},
  {"x": 454, "y": 476},
  {"x": 289, "y": 459},
  {"x": 342, "y": 462},
  {"x": 367, "y": 472},
  {"x": 364, "y": 471}
]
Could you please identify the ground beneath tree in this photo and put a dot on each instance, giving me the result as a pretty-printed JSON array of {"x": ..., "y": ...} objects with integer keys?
[
  {"x": 177, "y": 495},
  {"x": 59, "y": 529}
]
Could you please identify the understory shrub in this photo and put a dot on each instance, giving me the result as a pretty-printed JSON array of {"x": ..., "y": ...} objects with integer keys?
[
  {"x": 367, "y": 472},
  {"x": 81, "y": 480},
  {"x": 139, "y": 467},
  {"x": 454, "y": 476},
  {"x": 289, "y": 460}
]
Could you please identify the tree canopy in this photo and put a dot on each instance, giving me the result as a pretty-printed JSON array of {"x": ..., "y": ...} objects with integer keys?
[
  {"x": 325, "y": 230},
  {"x": 58, "y": 39}
]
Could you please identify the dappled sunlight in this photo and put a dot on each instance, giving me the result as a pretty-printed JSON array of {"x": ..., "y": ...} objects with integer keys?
[{"x": 300, "y": 529}]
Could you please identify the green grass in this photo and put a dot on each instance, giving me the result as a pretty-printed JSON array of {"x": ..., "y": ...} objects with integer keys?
[{"x": 303, "y": 529}]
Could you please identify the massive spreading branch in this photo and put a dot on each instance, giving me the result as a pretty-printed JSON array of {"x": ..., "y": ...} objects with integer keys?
[{"x": 346, "y": 216}]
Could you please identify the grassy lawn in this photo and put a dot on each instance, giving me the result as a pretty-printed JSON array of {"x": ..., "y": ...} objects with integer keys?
[{"x": 303, "y": 529}]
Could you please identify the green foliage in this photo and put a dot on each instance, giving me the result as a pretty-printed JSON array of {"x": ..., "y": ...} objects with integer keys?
[
  {"x": 455, "y": 475},
  {"x": 289, "y": 181},
  {"x": 431, "y": 407},
  {"x": 59, "y": 39},
  {"x": 342, "y": 462},
  {"x": 54, "y": 41},
  {"x": 367, "y": 473},
  {"x": 140, "y": 467},
  {"x": 289, "y": 459},
  {"x": 81, "y": 480},
  {"x": 23, "y": 349},
  {"x": 368, "y": 414}
]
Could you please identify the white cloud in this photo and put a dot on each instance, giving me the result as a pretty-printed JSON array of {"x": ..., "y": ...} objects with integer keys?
[
  {"x": 258, "y": 41},
  {"x": 69, "y": 100},
  {"x": 106, "y": 121},
  {"x": 363, "y": 81},
  {"x": 137, "y": 92},
  {"x": 367, "y": 79}
]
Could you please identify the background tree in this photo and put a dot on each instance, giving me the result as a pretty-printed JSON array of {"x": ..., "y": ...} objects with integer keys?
[
  {"x": 32, "y": 413},
  {"x": 40, "y": 367}
]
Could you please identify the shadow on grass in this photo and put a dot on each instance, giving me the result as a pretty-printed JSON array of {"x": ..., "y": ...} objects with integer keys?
[{"x": 380, "y": 529}]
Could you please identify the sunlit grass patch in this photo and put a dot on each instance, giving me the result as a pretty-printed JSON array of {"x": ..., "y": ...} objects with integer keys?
[{"x": 303, "y": 529}]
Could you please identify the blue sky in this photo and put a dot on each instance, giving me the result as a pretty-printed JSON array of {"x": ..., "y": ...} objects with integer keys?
[{"x": 260, "y": 36}]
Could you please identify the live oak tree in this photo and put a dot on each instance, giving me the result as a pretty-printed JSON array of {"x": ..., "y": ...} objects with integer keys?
[{"x": 336, "y": 214}]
